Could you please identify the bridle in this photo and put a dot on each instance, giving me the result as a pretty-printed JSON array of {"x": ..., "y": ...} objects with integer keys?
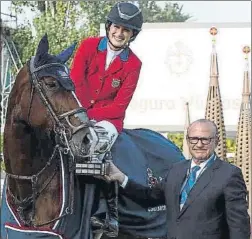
[{"x": 64, "y": 134}]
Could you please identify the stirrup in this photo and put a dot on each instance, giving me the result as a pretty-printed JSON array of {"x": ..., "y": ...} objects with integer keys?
[
  {"x": 97, "y": 224},
  {"x": 112, "y": 228}
]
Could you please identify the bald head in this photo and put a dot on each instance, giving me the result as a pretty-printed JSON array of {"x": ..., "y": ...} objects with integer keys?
[{"x": 212, "y": 126}]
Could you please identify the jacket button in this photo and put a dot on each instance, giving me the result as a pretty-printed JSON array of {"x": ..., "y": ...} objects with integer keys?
[
  {"x": 97, "y": 91},
  {"x": 92, "y": 101}
]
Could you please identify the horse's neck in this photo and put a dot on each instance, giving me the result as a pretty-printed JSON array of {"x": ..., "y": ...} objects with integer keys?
[
  {"x": 28, "y": 151},
  {"x": 17, "y": 153}
]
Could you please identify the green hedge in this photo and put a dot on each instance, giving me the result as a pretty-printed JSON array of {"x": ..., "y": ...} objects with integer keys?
[{"x": 1, "y": 143}]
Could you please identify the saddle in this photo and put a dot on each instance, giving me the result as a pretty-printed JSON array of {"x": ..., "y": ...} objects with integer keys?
[{"x": 148, "y": 159}]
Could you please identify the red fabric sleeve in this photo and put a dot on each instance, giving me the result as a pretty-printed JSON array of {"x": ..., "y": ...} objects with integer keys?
[{"x": 80, "y": 64}]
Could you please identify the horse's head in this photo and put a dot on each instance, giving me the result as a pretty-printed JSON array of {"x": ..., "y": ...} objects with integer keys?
[
  {"x": 43, "y": 98},
  {"x": 43, "y": 117}
]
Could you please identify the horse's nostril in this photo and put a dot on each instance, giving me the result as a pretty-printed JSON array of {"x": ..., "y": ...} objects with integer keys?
[{"x": 86, "y": 139}]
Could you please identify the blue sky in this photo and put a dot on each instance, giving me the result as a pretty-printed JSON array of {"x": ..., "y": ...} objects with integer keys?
[{"x": 202, "y": 11}]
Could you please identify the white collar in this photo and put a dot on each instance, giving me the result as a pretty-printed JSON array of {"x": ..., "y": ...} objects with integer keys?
[
  {"x": 112, "y": 52},
  {"x": 203, "y": 164}
]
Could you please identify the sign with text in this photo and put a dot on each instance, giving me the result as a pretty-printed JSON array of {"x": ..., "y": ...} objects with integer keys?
[{"x": 176, "y": 61}]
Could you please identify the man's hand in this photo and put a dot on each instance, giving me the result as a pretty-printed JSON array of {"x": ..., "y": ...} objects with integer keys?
[{"x": 114, "y": 174}]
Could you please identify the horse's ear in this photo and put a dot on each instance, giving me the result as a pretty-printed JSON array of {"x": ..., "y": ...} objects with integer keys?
[
  {"x": 67, "y": 53},
  {"x": 43, "y": 47}
]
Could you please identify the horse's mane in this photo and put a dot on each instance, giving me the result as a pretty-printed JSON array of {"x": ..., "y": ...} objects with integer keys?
[{"x": 14, "y": 97}]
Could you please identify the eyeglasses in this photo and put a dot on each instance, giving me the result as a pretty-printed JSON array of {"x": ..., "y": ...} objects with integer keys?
[{"x": 204, "y": 141}]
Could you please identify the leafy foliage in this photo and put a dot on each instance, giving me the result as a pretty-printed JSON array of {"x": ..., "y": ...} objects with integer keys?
[
  {"x": 96, "y": 12},
  {"x": 1, "y": 143},
  {"x": 172, "y": 12},
  {"x": 57, "y": 19},
  {"x": 176, "y": 138},
  {"x": 23, "y": 40},
  {"x": 231, "y": 145}
]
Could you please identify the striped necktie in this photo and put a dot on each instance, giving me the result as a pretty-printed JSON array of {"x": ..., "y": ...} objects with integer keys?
[{"x": 189, "y": 184}]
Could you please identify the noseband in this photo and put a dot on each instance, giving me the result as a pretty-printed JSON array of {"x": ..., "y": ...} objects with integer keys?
[
  {"x": 63, "y": 133},
  {"x": 57, "y": 119}
]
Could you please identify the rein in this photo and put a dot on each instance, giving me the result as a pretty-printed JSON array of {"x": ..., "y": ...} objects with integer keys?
[
  {"x": 23, "y": 204},
  {"x": 61, "y": 131}
]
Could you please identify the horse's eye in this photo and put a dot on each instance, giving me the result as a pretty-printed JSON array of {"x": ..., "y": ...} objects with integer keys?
[{"x": 51, "y": 84}]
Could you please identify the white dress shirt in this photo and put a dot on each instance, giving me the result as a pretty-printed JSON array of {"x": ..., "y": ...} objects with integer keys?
[
  {"x": 111, "y": 55},
  {"x": 201, "y": 165},
  {"x": 123, "y": 185}
]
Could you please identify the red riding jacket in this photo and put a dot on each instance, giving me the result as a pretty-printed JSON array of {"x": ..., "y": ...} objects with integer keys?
[{"x": 105, "y": 94}]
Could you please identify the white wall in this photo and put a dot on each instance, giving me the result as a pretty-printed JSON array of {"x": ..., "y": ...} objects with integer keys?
[{"x": 176, "y": 67}]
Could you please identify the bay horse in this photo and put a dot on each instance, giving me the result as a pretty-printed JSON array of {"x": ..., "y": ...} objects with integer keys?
[
  {"x": 44, "y": 122},
  {"x": 45, "y": 135}
]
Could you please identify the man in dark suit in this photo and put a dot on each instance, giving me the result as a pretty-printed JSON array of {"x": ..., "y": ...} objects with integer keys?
[{"x": 205, "y": 197}]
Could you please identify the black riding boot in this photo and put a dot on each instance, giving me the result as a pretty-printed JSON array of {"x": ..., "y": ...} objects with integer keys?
[
  {"x": 98, "y": 219},
  {"x": 111, "y": 195},
  {"x": 103, "y": 222}
]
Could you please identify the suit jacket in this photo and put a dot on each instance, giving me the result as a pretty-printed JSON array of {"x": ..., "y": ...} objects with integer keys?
[
  {"x": 105, "y": 94},
  {"x": 216, "y": 207}
]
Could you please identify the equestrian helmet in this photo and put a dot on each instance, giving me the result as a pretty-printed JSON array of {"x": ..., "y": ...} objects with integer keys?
[{"x": 126, "y": 14}]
